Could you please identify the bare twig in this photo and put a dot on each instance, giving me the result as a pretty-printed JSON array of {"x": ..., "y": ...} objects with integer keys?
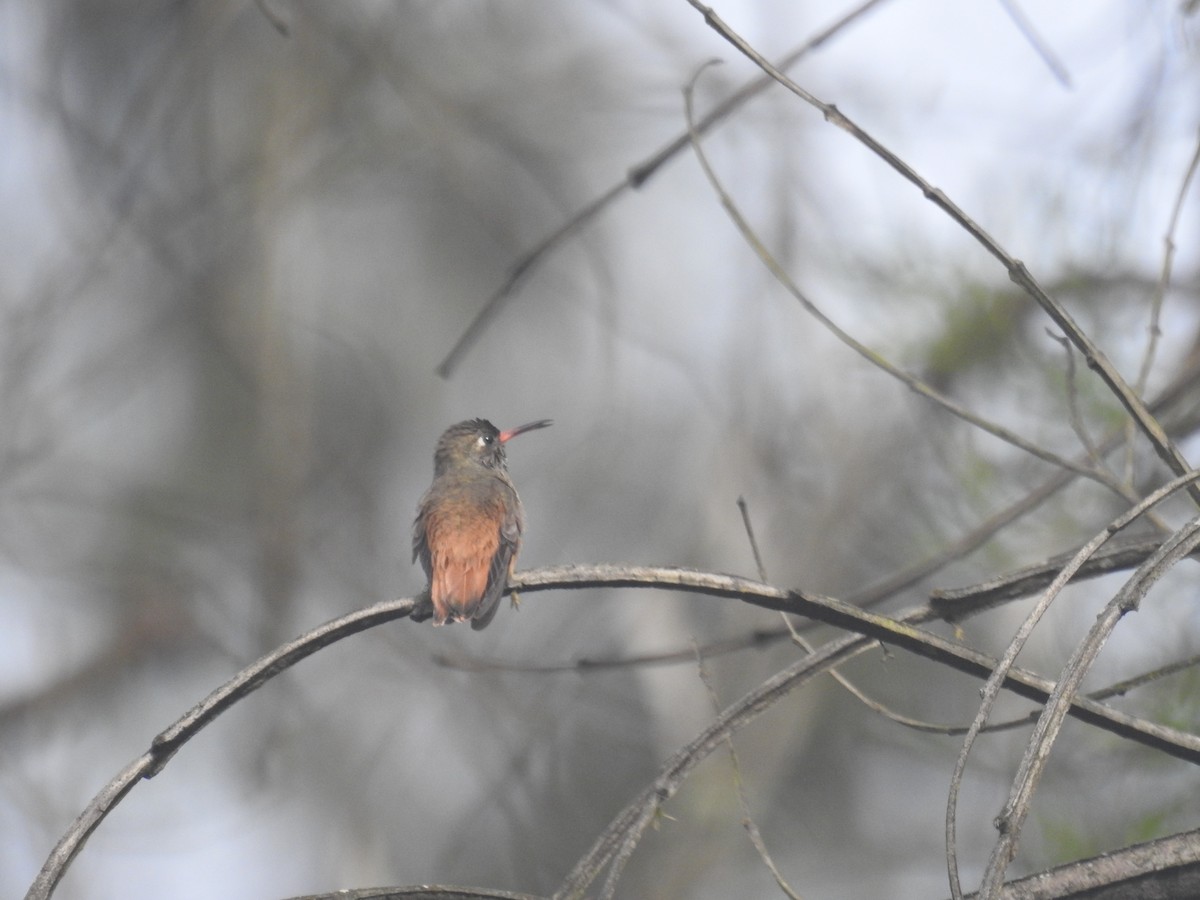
[
  {"x": 166, "y": 744},
  {"x": 278, "y": 22},
  {"x": 870, "y": 702},
  {"x": 952, "y": 605},
  {"x": 798, "y": 639},
  {"x": 637, "y": 814},
  {"x": 900, "y": 633},
  {"x": 1116, "y": 689},
  {"x": 1179, "y": 388},
  {"x": 1017, "y": 271},
  {"x": 756, "y": 639},
  {"x": 1077, "y": 423},
  {"x": 420, "y": 892},
  {"x": 991, "y": 688},
  {"x": 758, "y": 560},
  {"x": 853, "y": 689},
  {"x": 1167, "y": 867},
  {"x": 1160, "y": 293},
  {"x": 748, "y": 820},
  {"x": 739, "y": 785},
  {"x": 1049, "y": 724},
  {"x": 629, "y": 841},
  {"x": 636, "y": 176},
  {"x": 875, "y": 358},
  {"x": 1164, "y": 278},
  {"x": 1124, "y": 486},
  {"x": 1123, "y": 687},
  {"x": 1113, "y": 557},
  {"x": 1040, "y": 47}
]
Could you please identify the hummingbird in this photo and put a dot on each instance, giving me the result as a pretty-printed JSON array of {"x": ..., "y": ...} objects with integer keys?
[{"x": 468, "y": 527}]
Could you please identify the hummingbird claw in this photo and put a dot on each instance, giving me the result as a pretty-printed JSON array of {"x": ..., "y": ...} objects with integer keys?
[{"x": 422, "y": 607}]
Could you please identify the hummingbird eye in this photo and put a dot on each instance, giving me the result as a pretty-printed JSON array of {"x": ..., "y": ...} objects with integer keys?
[{"x": 486, "y": 440}]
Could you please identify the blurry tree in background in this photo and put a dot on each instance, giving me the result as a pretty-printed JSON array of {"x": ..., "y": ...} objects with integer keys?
[{"x": 240, "y": 239}]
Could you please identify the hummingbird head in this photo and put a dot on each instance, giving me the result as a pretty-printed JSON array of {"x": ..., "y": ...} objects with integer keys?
[{"x": 476, "y": 442}]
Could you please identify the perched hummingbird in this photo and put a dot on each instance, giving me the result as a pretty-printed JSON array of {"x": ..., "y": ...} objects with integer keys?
[{"x": 469, "y": 523}]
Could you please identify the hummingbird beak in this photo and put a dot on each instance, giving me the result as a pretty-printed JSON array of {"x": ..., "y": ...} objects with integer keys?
[{"x": 506, "y": 436}]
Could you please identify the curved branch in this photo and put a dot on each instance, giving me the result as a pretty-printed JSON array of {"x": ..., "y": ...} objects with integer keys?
[
  {"x": 1166, "y": 867},
  {"x": 420, "y": 892},
  {"x": 1009, "y": 822},
  {"x": 634, "y": 818},
  {"x": 1017, "y": 270},
  {"x": 991, "y": 688},
  {"x": 1164, "y": 278},
  {"x": 639, "y": 813},
  {"x": 955, "y": 603},
  {"x": 627, "y": 827},
  {"x": 896, "y": 632},
  {"x": 166, "y": 744},
  {"x": 914, "y": 384},
  {"x": 635, "y": 177}
]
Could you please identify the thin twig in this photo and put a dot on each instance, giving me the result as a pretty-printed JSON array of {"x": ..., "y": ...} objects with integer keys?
[
  {"x": 278, "y": 22},
  {"x": 756, "y": 639},
  {"x": 1164, "y": 277},
  {"x": 1080, "y": 428},
  {"x": 634, "y": 178},
  {"x": 897, "y": 632},
  {"x": 166, "y": 744},
  {"x": 868, "y": 701},
  {"x": 991, "y": 688},
  {"x": 1123, "y": 687},
  {"x": 739, "y": 786},
  {"x": 798, "y": 639},
  {"x": 1040, "y": 47},
  {"x": 1017, "y": 270},
  {"x": 420, "y": 892},
  {"x": 952, "y": 604},
  {"x": 875, "y": 358},
  {"x": 901, "y": 633},
  {"x": 1115, "y": 556},
  {"x": 1160, "y": 293},
  {"x": 758, "y": 560},
  {"x": 683, "y": 761},
  {"x": 1049, "y": 724},
  {"x": 629, "y": 841},
  {"x": 1180, "y": 388},
  {"x": 1164, "y": 868},
  {"x": 1117, "y": 689},
  {"x": 1076, "y": 418}
]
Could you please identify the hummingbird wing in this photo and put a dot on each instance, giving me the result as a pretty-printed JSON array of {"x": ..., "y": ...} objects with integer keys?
[
  {"x": 420, "y": 545},
  {"x": 504, "y": 559}
]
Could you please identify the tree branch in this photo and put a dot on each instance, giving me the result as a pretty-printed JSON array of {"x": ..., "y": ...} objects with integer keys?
[
  {"x": 1017, "y": 271},
  {"x": 1009, "y": 822},
  {"x": 896, "y": 632},
  {"x": 420, "y": 892},
  {"x": 914, "y": 384},
  {"x": 991, "y": 688},
  {"x": 1115, "y": 556},
  {"x": 635, "y": 177},
  {"x": 1163, "y": 868}
]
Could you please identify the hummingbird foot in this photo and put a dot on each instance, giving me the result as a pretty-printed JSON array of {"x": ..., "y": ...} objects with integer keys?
[
  {"x": 422, "y": 607},
  {"x": 515, "y": 600}
]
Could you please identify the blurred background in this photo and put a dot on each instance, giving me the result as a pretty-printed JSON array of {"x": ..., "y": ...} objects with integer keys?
[{"x": 233, "y": 260}]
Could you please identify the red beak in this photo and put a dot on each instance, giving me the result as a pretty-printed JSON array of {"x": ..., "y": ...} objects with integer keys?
[{"x": 506, "y": 436}]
